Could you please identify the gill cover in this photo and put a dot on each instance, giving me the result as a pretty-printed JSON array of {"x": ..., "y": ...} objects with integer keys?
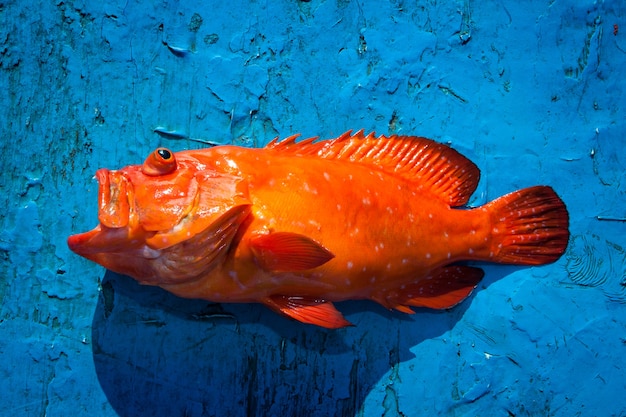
[{"x": 178, "y": 197}]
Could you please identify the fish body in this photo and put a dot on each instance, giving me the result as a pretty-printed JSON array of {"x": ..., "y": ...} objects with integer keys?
[{"x": 299, "y": 225}]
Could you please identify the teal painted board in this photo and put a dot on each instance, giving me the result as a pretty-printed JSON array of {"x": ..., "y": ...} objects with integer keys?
[{"x": 532, "y": 92}]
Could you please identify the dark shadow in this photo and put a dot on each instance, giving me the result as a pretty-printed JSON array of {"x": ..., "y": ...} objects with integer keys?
[{"x": 159, "y": 355}]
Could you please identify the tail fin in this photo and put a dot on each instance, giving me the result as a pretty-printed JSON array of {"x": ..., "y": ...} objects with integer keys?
[{"x": 530, "y": 227}]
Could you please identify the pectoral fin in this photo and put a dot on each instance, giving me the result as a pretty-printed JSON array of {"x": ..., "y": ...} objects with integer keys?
[
  {"x": 308, "y": 310},
  {"x": 285, "y": 251}
]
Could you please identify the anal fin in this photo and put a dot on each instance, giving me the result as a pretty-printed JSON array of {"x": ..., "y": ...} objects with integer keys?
[
  {"x": 308, "y": 310},
  {"x": 444, "y": 288}
]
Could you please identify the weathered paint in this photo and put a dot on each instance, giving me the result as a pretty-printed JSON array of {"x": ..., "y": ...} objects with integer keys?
[{"x": 521, "y": 88}]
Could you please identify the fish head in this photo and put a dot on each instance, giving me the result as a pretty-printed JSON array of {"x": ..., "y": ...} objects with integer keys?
[{"x": 167, "y": 221}]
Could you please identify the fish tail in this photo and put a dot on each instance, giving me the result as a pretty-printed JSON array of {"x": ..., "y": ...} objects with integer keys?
[{"x": 529, "y": 227}]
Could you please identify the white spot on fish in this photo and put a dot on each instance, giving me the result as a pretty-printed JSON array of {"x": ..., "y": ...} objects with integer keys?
[
  {"x": 338, "y": 207},
  {"x": 309, "y": 189},
  {"x": 349, "y": 265},
  {"x": 326, "y": 176},
  {"x": 315, "y": 224},
  {"x": 470, "y": 251},
  {"x": 367, "y": 201},
  {"x": 428, "y": 256}
]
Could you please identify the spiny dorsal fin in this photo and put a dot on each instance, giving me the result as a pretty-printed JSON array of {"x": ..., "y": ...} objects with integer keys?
[{"x": 430, "y": 165}]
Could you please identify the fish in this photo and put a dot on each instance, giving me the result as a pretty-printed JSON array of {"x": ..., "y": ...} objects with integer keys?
[{"x": 303, "y": 223}]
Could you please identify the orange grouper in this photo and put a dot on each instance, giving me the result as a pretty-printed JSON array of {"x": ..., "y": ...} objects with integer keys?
[{"x": 299, "y": 225}]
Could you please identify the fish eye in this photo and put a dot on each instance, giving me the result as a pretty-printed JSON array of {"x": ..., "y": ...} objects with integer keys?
[
  {"x": 164, "y": 153},
  {"x": 160, "y": 162}
]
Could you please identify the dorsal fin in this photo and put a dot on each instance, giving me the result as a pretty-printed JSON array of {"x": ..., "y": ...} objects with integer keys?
[{"x": 430, "y": 165}]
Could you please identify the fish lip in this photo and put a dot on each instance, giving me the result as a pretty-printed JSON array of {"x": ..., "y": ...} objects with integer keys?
[
  {"x": 114, "y": 198},
  {"x": 80, "y": 243},
  {"x": 102, "y": 240},
  {"x": 115, "y": 214}
]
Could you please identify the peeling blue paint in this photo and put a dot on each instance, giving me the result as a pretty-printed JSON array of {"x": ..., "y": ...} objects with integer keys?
[{"x": 533, "y": 92}]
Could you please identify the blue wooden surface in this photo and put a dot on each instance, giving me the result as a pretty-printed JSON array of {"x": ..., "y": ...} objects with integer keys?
[{"x": 531, "y": 91}]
